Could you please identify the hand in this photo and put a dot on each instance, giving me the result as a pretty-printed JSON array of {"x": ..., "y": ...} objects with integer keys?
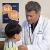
[{"x": 22, "y": 47}]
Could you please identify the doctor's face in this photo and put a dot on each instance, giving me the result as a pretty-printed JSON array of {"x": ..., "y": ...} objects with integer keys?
[{"x": 32, "y": 16}]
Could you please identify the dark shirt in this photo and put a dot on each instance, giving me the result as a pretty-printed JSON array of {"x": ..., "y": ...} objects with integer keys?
[{"x": 33, "y": 26}]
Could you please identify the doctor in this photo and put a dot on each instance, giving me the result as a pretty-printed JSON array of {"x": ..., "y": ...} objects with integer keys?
[{"x": 36, "y": 28}]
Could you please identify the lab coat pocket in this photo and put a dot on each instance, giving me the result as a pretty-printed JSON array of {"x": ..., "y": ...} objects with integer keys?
[{"x": 40, "y": 36}]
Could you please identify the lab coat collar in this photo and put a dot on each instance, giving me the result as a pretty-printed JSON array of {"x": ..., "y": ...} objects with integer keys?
[{"x": 39, "y": 27}]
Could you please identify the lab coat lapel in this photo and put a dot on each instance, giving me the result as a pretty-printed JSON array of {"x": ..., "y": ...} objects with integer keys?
[
  {"x": 39, "y": 25},
  {"x": 38, "y": 29}
]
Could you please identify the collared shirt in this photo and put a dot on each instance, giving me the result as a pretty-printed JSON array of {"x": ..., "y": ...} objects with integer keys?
[{"x": 33, "y": 26}]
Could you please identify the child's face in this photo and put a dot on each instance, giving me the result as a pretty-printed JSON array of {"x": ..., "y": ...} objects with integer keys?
[{"x": 17, "y": 37}]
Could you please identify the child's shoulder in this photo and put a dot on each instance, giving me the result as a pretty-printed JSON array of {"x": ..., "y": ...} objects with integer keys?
[{"x": 9, "y": 45}]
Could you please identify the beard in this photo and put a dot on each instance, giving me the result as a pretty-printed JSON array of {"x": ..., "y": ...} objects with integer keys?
[{"x": 30, "y": 22}]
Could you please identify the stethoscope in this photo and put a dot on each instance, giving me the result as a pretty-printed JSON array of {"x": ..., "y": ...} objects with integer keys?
[{"x": 30, "y": 34}]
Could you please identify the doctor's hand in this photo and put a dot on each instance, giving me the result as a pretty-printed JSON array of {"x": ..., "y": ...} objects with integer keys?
[{"x": 22, "y": 47}]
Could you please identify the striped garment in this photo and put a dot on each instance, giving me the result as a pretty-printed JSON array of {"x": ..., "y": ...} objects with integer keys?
[{"x": 11, "y": 45}]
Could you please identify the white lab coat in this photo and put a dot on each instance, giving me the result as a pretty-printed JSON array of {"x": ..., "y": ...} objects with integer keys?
[{"x": 41, "y": 35}]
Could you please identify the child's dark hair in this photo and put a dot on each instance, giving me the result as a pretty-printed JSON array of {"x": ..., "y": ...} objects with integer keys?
[{"x": 12, "y": 29}]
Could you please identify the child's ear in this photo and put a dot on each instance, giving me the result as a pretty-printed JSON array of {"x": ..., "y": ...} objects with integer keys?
[{"x": 17, "y": 37}]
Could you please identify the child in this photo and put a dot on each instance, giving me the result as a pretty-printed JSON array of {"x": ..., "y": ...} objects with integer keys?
[{"x": 12, "y": 32}]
